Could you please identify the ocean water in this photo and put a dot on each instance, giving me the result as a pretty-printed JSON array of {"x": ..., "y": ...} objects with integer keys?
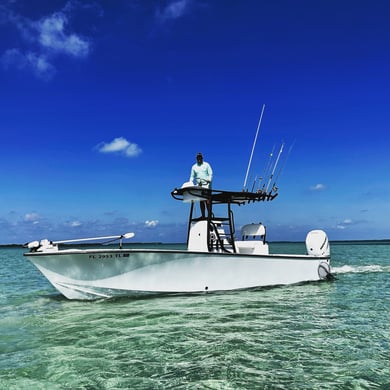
[{"x": 326, "y": 335}]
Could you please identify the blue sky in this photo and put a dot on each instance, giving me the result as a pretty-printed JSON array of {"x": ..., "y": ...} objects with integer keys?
[{"x": 104, "y": 105}]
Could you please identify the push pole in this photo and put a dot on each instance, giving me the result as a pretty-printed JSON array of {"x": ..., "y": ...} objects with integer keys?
[{"x": 126, "y": 235}]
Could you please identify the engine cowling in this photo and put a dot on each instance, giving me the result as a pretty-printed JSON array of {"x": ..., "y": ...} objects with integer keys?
[{"x": 317, "y": 243}]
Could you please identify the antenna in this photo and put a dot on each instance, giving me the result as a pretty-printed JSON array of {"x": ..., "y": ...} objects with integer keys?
[{"x": 254, "y": 144}]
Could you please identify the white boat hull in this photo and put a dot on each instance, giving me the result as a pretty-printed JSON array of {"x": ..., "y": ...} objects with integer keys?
[{"x": 92, "y": 274}]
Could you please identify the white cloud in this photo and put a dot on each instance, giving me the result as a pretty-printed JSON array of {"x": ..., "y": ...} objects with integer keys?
[
  {"x": 37, "y": 63},
  {"x": 52, "y": 36},
  {"x": 318, "y": 187},
  {"x": 75, "y": 223},
  {"x": 40, "y": 66},
  {"x": 345, "y": 224},
  {"x": 120, "y": 145},
  {"x": 40, "y": 63},
  {"x": 151, "y": 224},
  {"x": 116, "y": 145},
  {"x": 31, "y": 217},
  {"x": 174, "y": 10},
  {"x": 13, "y": 57},
  {"x": 47, "y": 38}
]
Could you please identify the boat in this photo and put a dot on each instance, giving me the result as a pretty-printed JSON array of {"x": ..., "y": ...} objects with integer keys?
[{"x": 217, "y": 258}]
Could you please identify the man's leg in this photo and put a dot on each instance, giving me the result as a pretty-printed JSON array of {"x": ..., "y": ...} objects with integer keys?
[{"x": 203, "y": 209}]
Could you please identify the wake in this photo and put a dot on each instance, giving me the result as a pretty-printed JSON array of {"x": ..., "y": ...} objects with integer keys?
[{"x": 360, "y": 269}]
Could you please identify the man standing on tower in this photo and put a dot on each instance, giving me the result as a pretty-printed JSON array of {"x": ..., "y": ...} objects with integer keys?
[{"x": 202, "y": 173}]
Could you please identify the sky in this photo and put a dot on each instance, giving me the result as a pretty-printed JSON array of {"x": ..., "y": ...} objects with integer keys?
[{"x": 105, "y": 104}]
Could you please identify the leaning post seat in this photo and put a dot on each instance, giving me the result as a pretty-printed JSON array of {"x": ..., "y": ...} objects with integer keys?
[
  {"x": 254, "y": 231},
  {"x": 253, "y": 240}
]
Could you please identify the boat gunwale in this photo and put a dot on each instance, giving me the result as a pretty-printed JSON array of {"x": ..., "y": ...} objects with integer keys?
[{"x": 283, "y": 256}]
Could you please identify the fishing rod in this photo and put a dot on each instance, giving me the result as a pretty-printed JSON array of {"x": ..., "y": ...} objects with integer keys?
[
  {"x": 283, "y": 164},
  {"x": 253, "y": 147},
  {"x": 254, "y": 183},
  {"x": 266, "y": 168},
  {"x": 275, "y": 165}
]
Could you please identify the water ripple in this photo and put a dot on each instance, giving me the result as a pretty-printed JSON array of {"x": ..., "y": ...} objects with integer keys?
[{"x": 310, "y": 336}]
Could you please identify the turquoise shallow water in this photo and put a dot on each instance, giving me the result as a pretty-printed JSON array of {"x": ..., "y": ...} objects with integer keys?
[{"x": 327, "y": 335}]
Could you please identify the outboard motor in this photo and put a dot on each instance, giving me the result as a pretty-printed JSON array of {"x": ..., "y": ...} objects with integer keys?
[
  {"x": 41, "y": 246},
  {"x": 317, "y": 243}
]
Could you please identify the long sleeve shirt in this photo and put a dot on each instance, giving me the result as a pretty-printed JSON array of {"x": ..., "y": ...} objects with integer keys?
[{"x": 202, "y": 174}]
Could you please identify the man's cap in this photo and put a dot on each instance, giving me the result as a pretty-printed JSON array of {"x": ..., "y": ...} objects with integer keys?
[{"x": 199, "y": 155}]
